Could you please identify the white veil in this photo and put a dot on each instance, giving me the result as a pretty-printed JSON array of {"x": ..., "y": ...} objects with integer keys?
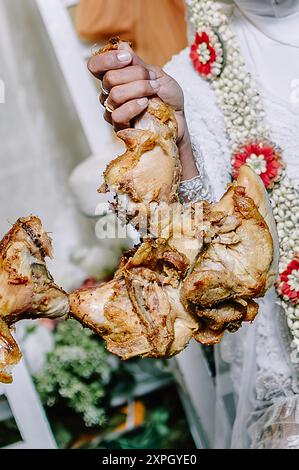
[{"x": 268, "y": 8}]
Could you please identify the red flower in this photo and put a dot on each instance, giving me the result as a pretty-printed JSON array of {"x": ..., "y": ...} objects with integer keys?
[
  {"x": 288, "y": 281},
  {"x": 263, "y": 157},
  {"x": 203, "y": 65}
]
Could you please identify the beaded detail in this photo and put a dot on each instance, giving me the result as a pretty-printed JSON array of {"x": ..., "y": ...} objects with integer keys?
[{"x": 193, "y": 190}]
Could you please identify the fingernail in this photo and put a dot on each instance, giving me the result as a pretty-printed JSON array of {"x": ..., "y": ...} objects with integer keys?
[
  {"x": 152, "y": 75},
  {"x": 154, "y": 84},
  {"x": 142, "y": 102},
  {"x": 124, "y": 56}
]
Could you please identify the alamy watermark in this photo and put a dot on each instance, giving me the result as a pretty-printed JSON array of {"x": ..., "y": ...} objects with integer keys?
[
  {"x": 163, "y": 221},
  {"x": 2, "y": 92}
]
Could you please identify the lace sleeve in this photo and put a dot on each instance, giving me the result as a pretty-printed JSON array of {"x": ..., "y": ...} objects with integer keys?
[{"x": 197, "y": 188}]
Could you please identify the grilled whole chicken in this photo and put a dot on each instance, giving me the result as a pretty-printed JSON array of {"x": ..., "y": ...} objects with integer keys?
[
  {"x": 158, "y": 300},
  {"x": 27, "y": 289},
  {"x": 198, "y": 267}
]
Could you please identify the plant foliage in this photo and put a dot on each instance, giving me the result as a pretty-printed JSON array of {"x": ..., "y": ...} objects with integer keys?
[{"x": 78, "y": 371}]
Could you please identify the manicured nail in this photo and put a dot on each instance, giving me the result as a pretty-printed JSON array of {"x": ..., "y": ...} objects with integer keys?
[
  {"x": 154, "y": 84},
  {"x": 152, "y": 75},
  {"x": 142, "y": 102},
  {"x": 124, "y": 56}
]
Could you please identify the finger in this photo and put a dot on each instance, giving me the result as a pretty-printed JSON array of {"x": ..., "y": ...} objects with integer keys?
[
  {"x": 136, "y": 60},
  {"x": 101, "y": 63},
  {"x": 134, "y": 90},
  {"x": 128, "y": 74},
  {"x": 155, "y": 71},
  {"x": 102, "y": 99},
  {"x": 122, "y": 116},
  {"x": 131, "y": 91}
]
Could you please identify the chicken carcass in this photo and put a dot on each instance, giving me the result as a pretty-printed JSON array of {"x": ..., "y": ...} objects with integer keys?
[
  {"x": 158, "y": 300},
  {"x": 198, "y": 267},
  {"x": 27, "y": 289}
]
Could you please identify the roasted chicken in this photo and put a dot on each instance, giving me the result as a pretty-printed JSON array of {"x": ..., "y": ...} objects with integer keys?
[
  {"x": 159, "y": 300},
  {"x": 233, "y": 269},
  {"x": 198, "y": 267},
  {"x": 27, "y": 289}
]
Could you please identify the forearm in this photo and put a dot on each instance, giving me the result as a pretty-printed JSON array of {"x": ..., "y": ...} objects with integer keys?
[
  {"x": 189, "y": 168},
  {"x": 194, "y": 182}
]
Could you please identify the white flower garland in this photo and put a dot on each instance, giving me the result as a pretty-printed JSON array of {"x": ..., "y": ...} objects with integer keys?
[{"x": 244, "y": 118}]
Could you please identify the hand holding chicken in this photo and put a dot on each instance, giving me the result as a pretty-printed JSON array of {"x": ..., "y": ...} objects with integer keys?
[{"x": 184, "y": 280}]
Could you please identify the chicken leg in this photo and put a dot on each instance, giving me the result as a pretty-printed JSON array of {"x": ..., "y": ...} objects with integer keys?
[{"x": 27, "y": 289}]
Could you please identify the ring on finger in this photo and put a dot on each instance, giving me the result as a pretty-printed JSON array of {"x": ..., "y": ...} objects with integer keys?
[
  {"x": 103, "y": 90},
  {"x": 108, "y": 107}
]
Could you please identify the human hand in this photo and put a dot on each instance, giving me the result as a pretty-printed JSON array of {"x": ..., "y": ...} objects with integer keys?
[{"x": 130, "y": 82}]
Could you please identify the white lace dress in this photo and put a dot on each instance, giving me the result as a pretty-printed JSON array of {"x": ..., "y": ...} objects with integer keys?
[{"x": 264, "y": 380}]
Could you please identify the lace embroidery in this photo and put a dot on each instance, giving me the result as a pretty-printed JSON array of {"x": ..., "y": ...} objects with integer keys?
[{"x": 277, "y": 427}]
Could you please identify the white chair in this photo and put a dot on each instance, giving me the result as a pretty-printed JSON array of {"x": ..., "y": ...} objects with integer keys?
[{"x": 28, "y": 413}]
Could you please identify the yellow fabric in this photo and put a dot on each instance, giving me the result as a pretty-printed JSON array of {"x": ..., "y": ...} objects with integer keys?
[{"x": 157, "y": 28}]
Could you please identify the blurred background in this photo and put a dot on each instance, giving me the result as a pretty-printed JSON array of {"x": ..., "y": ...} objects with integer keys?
[{"x": 68, "y": 392}]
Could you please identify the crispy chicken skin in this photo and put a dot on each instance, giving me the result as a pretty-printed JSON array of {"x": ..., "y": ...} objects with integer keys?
[
  {"x": 235, "y": 264},
  {"x": 27, "y": 289},
  {"x": 198, "y": 267}
]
